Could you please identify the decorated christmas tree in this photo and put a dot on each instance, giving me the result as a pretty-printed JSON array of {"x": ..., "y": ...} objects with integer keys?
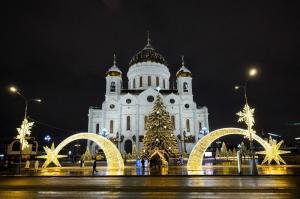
[
  {"x": 134, "y": 152},
  {"x": 233, "y": 152},
  {"x": 159, "y": 135},
  {"x": 87, "y": 156},
  {"x": 244, "y": 151},
  {"x": 224, "y": 151}
]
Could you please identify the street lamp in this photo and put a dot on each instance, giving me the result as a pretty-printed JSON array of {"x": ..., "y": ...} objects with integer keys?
[
  {"x": 13, "y": 89},
  {"x": 26, "y": 100},
  {"x": 251, "y": 73}
]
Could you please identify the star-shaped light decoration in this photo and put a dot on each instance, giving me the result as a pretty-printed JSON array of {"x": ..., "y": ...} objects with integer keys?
[
  {"x": 247, "y": 116},
  {"x": 51, "y": 156},
  {"x": 24, "y": 131},
  {"x": 273, "y": 153}
]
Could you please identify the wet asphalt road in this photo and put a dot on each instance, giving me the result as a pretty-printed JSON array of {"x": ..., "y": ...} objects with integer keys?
[{"x": 151, "y": 187}]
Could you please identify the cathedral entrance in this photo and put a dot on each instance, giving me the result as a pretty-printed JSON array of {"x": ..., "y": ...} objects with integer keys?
[{"x": 128, "y": 146}]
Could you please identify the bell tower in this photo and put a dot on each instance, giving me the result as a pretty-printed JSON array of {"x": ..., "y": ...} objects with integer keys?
[
  {"x": 184, "y": 80},
  {"x": 113, "y": 80}
]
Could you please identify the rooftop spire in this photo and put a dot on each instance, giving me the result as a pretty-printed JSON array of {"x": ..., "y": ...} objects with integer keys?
[
  {"x": 115, "y": 62},
  {"x": 148, "y": 38},
  {"x": 182, "y": 60}
]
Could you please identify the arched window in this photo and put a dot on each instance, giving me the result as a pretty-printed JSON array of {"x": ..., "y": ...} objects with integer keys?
[
  {"x": 128, "y": 123},
  {"x": 173, "y": 121},
  {"x": 112, "y": 86},
  {"x": 111, "y": 126},
  {"x": 149, "y": 80},
  {"x": 157, "y": 81},
  {"x": 145, "y": 122},
  {"x": 164, "y": 83},
  {"x": 141, "y": 81},
  {"x": 188, "y": 125},
  {"x": 97, "y": 128},
  {"x": 133, "y": 83},
  {"x": 185, "y": 87}
]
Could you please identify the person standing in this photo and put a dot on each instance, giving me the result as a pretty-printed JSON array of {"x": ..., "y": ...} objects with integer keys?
[
  {"x": 143, "y": 162},
  {"x": 95, "y": 166},
  {"x": 181, "y": 160}
]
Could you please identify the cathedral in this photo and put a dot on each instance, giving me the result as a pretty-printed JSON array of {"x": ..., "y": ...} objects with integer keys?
[{"x": 123, "y": 114}]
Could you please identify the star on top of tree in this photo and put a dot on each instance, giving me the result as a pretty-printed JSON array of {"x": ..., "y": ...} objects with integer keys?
[
  {"x": 51, "y": 156},
  {"x": 273, "y": 153},
  {"x": 24, "y": 131}
]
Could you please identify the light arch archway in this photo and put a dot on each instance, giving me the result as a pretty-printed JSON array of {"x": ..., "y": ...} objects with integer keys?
[
  {"x": 196, "y": 156},
  {"x": 113, "y": 156}
]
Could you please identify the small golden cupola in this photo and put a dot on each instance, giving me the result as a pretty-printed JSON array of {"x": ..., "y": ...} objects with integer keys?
[
  {"x": 114, "y": 71},
  {"x": 183, "y": 71}
]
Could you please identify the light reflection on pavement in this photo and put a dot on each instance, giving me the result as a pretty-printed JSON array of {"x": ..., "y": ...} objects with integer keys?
[
  {"x": 172, "y": 170},
  {"x": 151, "y": 187}
]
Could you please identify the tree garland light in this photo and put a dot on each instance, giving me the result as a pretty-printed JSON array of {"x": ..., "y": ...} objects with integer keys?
[{"x": 24, "y": 131}]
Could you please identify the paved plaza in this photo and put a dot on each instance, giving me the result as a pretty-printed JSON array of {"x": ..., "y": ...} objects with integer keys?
[{"x": 151, "y": 187}]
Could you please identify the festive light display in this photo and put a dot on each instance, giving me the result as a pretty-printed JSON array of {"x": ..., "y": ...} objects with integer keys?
[
  {"x": 247, "y": 116},
  {"x": 273, "y": 153},
  {"x": 51, "y": 156},
  {"x": 196, "y": 156},
  {"x": 159, "y": 135},
  {"x": 24, "y": 131},
  {"x": 113, "y": 156},
  {"x": 87, "y": 156},
  {"x": 160, "y": 153}
]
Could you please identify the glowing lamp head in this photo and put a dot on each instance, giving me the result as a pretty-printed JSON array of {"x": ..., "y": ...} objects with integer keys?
[
  {"x": 236, "y": 87},
  {"x": 38, "y": 100},
  {"x": 252, "y": 72},
  {"x": 13, "y": 89}
]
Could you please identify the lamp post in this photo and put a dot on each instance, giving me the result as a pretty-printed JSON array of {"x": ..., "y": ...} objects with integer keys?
[
  {"x": 184, "y": 144},
  {"x": 26, "y": 101},
  {"x": 252, "y": 72}
]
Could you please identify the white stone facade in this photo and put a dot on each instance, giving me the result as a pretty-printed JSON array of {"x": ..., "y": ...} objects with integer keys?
[{"x": 124, "y": 111}]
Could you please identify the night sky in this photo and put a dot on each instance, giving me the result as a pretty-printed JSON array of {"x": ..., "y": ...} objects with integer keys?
[{"x": 60, "y": 50}]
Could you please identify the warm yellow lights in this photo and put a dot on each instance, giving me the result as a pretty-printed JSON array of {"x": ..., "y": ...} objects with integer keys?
[
  {"x": 24, "y": 131},
  {"x": 13, "y": 89},
  {"x": 51, "y": 156},
  {"x": 252, "y": 72},
  {"x": 273, "y": 153},
  {"x": 113, "y": 156},
  {"x": 247, "y": 116},
  {"x": 196, "y": 156}
]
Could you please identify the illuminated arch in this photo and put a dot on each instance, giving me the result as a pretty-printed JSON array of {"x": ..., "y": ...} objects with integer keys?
[
  {"x": 196, "y": 156},
  {"x": 113, "y": 156}
]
